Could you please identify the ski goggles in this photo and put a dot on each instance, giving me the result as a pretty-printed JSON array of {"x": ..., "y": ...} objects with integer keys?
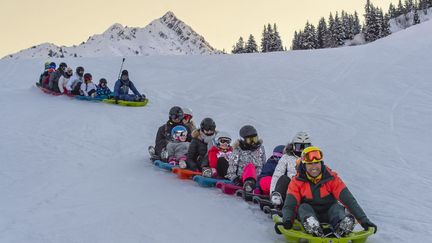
[
  {"x": 181, "y": 134},
  {"x": 313, "y": 156},
  {"x": 251, "y": 140},
  {"x": 298, "y": 147},
  {"x": 226, "y": 141},
  {"x": 176, "y": 117},
  {"x": 208, "y": 132},
  {"x": 187, "y": 117}
]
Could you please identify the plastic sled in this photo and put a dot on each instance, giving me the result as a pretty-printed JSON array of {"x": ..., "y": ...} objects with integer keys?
[
  {"x": 126, "y": 103},
  {"x": 89, "y": 98},
  {"x": 262, "y": 202},
  {"x": 297, "y": 234},
  {"x": 163, "y": 165},
  {"x": 228, "y": 188},
  {"x": 208, "y": 182},
  {"x": 185, "y": 174},
  {"x": 47, "y": 91},
  {"x": 247, "y": 196}
]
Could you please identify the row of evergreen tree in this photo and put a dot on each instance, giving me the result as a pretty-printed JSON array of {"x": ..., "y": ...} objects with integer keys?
[
  {"x": 337, "y": 29},
  {"x": 409, "y": 6},
  {"x": 340, "y": 29},
  {"x": 270, "y": 41},
  {"x": 328, "y": 34}
]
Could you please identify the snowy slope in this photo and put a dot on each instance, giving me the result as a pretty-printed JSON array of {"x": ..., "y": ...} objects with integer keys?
[
  {"x": 76, "y": 171},
  {"x": 164, "y": 36}
]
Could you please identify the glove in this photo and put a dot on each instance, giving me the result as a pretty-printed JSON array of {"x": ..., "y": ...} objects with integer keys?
[
  {"x": 367, "y": 223},
  {"x": 287, "y": 225}
]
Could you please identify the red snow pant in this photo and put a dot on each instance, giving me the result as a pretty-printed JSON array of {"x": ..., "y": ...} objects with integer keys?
[
  {"x": 264, "y": 184},
  {"x": 249, "y": 172}
]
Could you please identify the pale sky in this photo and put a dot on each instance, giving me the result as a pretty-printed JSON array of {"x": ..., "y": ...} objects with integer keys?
[{"x": 25, "y": 23}]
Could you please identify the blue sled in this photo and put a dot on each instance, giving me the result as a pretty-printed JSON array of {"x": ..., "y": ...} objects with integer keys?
[
  {"x": 163, "y": 165},
  {"x": 208, "y": 182}
]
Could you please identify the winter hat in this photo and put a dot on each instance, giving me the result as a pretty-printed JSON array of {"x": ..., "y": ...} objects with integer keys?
[
  {"x": 278, "y": 150},
  {"x": 125, "y": 72}
]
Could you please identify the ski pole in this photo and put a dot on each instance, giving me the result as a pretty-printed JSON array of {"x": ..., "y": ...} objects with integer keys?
[{"x": 121, "y": 67}]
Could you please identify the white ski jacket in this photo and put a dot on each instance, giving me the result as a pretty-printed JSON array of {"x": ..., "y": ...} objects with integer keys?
[{"x": 286, "y": 165}]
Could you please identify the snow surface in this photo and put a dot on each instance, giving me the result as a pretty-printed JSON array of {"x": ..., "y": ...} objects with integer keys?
[
  {"x": 77, "y": 171},
  {"x": 167, "y": 35}
]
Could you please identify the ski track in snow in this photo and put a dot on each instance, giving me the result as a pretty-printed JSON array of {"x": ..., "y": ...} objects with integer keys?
[{"x": 77, "y": 171}]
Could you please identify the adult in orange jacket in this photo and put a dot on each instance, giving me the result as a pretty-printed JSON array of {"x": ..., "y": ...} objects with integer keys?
[{"x": 318, "y": 195}]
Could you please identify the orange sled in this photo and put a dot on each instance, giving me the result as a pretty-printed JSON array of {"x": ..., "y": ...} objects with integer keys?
[{"x": 185, "y": 174}]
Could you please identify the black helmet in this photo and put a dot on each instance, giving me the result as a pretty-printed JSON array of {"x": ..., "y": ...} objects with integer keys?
[
  {"x": 248, "y": 131},
  {"x": 102, "y": 81},
  {"x": 80, "y": 71},
  {"x": 208, "y": 124},
  {"x": 176, "y": 113},
  {"x": 63, "y": 65}
]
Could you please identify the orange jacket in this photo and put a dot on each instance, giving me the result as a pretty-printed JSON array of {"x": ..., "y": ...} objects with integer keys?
[{"x": 321, "y": 196}]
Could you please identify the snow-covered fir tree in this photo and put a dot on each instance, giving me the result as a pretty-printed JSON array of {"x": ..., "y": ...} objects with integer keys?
[
  {"x": 276, "y": 41},
  {"x": 239, "y": 47},
  {"x": 356, "y": 27},
  {"x": 385, "y": 26},
  {"x": 265, "y": 40},
  {"x": 321, "y": 33},
  {"x": 251, "y": 45},
  {"x": 400, "y": 9}
]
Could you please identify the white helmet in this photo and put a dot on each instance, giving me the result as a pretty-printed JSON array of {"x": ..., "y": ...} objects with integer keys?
[
  {"x": 187, "y": 111},
  {"x": 301, "y": 137},
  {"x": 220, "y": 135},
  {"x": 300, "y": 141}
]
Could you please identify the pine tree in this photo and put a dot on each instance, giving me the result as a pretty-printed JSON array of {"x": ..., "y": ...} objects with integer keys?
[
  {"x": 251, "y": 45},
  {"x": 385, "y": 28},
  {"x": 372, "y": 27},
  {"x": 356, "y": 28},
  {"x": 392, "y": 11},
  {"x": 400, "y": 9},
  {"x": 330, "y": 41},
  {"x": 321, "y": 33},
  {"x": 416, "y": 18},
  {"x": 276, "y": 44},
  {"x": 409, "y": 6},
  {"x": 338, "y": 33},
  {"x": 295, "y": 42},
  {"x": 345, "y": 27},
  {"x": 309, "y": 37},
  {"x": 239, "y": 47},
  {"x": 265, "y": 40}
]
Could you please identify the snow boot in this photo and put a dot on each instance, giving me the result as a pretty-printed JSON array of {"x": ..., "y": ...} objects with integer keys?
[
  {"x": 182, "y": 164},
  {"x": 249, "y": 185},
  {"x": 345, "y": 226},
  {"x": 276, "y": 199},
  {"x": 207, "y": 172},
  {"x": 313, "y": 227}
]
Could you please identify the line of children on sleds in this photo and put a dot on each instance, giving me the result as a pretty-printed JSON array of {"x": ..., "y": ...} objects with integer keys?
[
  {"x": 294, "y": 176},
  {"x": 64, "y": 81}
]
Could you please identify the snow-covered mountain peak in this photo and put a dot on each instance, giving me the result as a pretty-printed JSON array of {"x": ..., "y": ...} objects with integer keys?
[{"x": 167, "y": 35}]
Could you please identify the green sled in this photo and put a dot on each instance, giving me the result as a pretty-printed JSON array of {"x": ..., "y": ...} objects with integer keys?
[
  {"x": 126, "y": 103},
  {"x": 298, "y": 235}
]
